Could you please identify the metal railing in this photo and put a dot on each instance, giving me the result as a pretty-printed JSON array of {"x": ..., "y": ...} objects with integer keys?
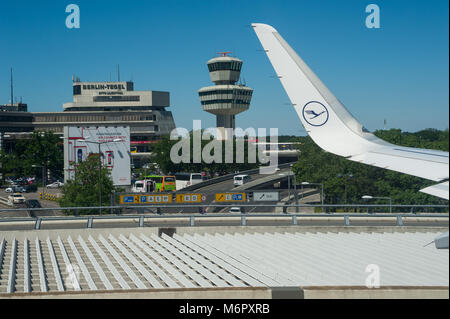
[{"x": 89, "y": 219}]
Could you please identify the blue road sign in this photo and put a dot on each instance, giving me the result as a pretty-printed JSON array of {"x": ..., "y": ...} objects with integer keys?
[
  {"x": 128, "y": 199},
  {"x": 237, "y": 197}
]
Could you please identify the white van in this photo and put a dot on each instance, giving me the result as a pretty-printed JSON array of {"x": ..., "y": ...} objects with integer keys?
[{"x": 241, "y": 180}]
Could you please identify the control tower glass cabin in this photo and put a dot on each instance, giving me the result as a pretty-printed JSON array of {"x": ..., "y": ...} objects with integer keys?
[{"x": 225, "y": 99}]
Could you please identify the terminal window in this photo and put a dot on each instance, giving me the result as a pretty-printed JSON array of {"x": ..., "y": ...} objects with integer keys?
[{"x": 76, "y": 89}]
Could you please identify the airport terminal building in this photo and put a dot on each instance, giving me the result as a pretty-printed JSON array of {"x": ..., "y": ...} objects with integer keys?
[{"x": 100, "y": 104}]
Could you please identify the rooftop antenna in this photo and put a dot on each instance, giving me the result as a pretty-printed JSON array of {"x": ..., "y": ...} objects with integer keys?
[
  {"x": 118, "y": 73},
  {"x": 224, "y": 53},
  {"x": 12, "y": 89},
  {"x": 385, "y": 124}
]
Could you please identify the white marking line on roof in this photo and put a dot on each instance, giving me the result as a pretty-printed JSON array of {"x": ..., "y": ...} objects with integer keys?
[
  {"x": 40, "y": 261},
  {"x": 174, "y": 260},
  {"x": 158, "y": 271},
  {"x": 82, "y": 265},
  {"x": 122, "y": 263},
  {"x": 245, "y": 278},
  {"x": 12, "y": 268},
  {"x": 194, "y": 264},
  {"x": 109, "y": 264},
  {"x": 218, "y": 250},
  {"x": 204, "y": 261},
  {"x": 94, "y": 263},
  {"x": 26, "y": 266},
  {"x": 165, "y": 265},
  {"x": 55, "y": 266},
  {"x": 144, "y": 272},
  {"x": 74, "y": 280}
]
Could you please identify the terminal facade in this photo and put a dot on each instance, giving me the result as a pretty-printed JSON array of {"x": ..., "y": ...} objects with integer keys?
[{"x": 98, "y": 104}]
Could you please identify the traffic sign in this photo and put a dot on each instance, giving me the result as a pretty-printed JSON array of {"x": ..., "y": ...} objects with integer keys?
[
  {"x": 230, "y": 197},
  {"x": 146, "y": 199},
  {"x": 266, "y": 196},
  {"x": 190, "y": 198}
]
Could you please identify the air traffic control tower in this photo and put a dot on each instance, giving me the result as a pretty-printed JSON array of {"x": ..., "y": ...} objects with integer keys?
[{"x": 225, "y": 99}]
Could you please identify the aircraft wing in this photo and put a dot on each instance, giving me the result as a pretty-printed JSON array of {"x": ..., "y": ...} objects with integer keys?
[{"x": 335, "y": 130}]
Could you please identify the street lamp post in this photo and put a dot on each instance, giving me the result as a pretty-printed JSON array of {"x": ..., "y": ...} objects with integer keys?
[
  {"x": 296, "y": 194},
  {"x": 374, "y": 197}
]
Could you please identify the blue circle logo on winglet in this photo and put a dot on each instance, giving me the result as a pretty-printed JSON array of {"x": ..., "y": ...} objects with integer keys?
[{"x": 315, "y": 113}]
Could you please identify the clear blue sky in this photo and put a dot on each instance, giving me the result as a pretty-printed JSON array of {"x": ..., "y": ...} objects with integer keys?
[{"x": 399, "y": 72}]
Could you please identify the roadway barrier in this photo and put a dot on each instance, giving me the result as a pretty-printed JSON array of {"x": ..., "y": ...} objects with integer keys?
[
  {"x": 244, "y": 218},
  {"x": 48, "y": 196}
]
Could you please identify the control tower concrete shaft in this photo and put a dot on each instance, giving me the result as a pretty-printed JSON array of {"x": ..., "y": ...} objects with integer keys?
[{"x": 225, "y": 99}]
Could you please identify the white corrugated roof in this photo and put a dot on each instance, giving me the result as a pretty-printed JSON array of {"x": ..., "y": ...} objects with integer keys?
[{"x": 92, "y": 260}]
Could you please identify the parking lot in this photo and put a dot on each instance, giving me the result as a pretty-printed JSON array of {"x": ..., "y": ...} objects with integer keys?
[{"x": 32, "y": 195}]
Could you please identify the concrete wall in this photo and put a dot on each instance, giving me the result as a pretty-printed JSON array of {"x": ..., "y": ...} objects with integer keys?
[{"x": 249, "y": 293}]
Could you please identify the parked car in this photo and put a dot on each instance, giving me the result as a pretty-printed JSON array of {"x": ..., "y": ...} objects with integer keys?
[
  {"x": 33, "y": 203},
  {"x": 30, "y": 188},
  {"x": 15, "y": 189},
  {"x": 16, "y": 198},
  {"x": 55, "y": 185}
]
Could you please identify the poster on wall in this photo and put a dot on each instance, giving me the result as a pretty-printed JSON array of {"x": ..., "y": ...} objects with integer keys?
[{"x": 114, "y": 143}]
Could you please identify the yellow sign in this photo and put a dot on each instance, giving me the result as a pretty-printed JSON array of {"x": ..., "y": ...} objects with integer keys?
[
  {"x": 146, "y": 199},
  {"x": 230, "y": 197},
  {"x": 189, "y": 198}
]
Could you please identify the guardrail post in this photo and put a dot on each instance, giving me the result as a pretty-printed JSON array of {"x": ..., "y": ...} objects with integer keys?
[
  {"x": 243, "y": 221},
  {"x": 192, "y": 220},
  {"x": 141, "y": 221},
  {"x": 347, "y": 220},
  {"x": 89, "y": 223},
  {"x": 294, "y": 220},
  {"x": 37, "y": 224},
  {"x": 399, "y": 220}
]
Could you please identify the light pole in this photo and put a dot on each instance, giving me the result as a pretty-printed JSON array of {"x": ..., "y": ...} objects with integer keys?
[
  {"x": 366, "y": 197},
  {"x": 100, "y": 166},
  {"x": 296, "y": 194},
  {"x": 321, "y": 194}
]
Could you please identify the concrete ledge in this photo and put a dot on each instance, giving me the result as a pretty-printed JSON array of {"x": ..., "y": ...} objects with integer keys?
[
  {"x": 169, "y": 293},
  {"x": 325, "y": 292},
  {"x": 388, "y": 292}
]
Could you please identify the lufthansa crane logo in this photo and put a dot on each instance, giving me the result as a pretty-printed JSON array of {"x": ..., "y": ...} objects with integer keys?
[{"x": 315, "y": 113}]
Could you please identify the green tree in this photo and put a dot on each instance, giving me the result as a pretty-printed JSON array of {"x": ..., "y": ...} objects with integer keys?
[
  {"x": 161, "y": 156},
  {"x": 41, "y": 149},
  {"x": 347, "y": 181},
  {"x": 83, "y": 190}
]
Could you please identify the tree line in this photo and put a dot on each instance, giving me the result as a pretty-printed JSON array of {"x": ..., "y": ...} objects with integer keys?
[{"x": 346, "y": 181}]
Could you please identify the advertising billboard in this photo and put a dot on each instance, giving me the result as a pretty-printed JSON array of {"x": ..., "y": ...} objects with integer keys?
[{"x": 114, "y": 143}]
